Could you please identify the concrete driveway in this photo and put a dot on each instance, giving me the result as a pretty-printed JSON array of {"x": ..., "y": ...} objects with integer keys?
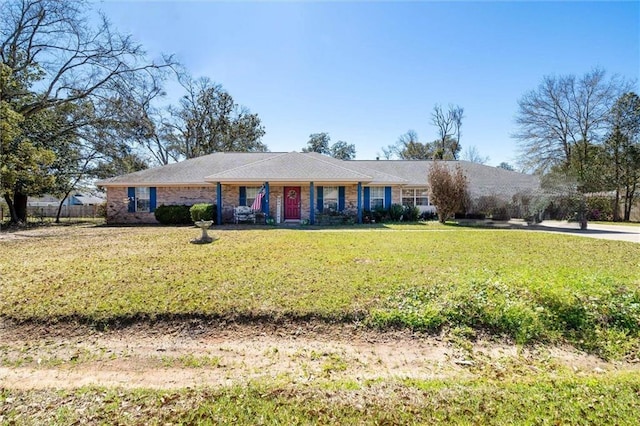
[{"x": 594, "y": 230}]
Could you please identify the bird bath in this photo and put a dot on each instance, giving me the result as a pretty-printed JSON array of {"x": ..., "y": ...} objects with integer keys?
[{"x": 204, "y": 238}]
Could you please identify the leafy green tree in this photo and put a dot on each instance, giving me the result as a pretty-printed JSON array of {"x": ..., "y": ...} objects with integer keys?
[
  {"x": 408, "y": 147},
  {"x": 318, "y": 142},
  {"x": 415, "y": 151},
  {"x": 343, "y": 151},
  {"x": 622, "y": 149},
  {"x": 23, "y": 163},
  {"x": 57, "y": 65},
  {"x": 207, "y": 120},
  {"x": 506, "y": 166}
]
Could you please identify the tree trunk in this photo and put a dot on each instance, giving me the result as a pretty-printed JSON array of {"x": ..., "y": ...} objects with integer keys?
[
  {"x": 19, "y": 212},
  {"x": 12, "y": 210},
  {"x": 60, "y": 206},
  {"x": 628, "y": 203},
  {"x": 616, "y": 206}
]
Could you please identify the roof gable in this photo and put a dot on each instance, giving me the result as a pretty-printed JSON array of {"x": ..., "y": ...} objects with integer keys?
[{"x": 291, "y": 167}]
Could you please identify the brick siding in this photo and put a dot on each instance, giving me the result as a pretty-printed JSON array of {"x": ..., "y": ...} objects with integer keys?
[{"x": 118, "y": 202}]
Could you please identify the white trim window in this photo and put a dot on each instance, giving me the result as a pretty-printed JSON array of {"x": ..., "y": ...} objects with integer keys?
[
  {"x": 143, "y": 199},
  {"x": 376, "y": 197},
  {"x": 330, "y": 198},
  {"x": 415, "y": 197},
  {"x": 252, "y": 193}
]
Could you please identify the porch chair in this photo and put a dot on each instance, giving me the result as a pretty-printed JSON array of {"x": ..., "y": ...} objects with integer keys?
[{"x": 243, "y": 214}]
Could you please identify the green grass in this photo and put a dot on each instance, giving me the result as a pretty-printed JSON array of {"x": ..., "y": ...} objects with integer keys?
[
  {"x": 616, "y": 223},
  {"x": 525, "y": 285},
  {"x": 559, "y": 400}
]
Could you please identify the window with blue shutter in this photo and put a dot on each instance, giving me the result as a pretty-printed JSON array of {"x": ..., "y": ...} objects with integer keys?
[
  {"x": 243, "y": 196},
  {"x": 387, "y": 197},
  {"x": 319, "y": 199},
  {"x": 340, "y": 198},
  {"x": 152, "y": 199},
  {"x": 376, "y": 197},
  {"x": 131, "y": 193},
  {"x": 367, "y": 199}
]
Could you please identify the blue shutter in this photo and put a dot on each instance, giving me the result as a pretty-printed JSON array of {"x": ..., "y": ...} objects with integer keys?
[
  {"x": 320, "y": 199},
  {"x": 243, "y": 196},
  {"x": 131, "y": 193},
  {"x": 265, "y": 199},
  {"x": 387, "y": 197},
  {"x": 340, "y": 198},
  {"x": 367, "y": 198},
  {"x": 263, "y": 206},
  {"x": 152, "y": 199}
]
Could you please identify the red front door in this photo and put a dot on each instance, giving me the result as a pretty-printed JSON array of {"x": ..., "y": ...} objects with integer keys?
[{"x": 291, "y": 202}]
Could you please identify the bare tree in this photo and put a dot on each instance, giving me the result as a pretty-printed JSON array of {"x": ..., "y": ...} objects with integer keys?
[
  {"x": 444, "y": 123},
  {"x": 560, "y": 120},
  {"x": 51, "y": 42},
  {"x": 473, "y": 155},
  {"x": 145, "y": 125},
  {"x": 448, "y": 124},
  {"x": 457, "y": 113}
]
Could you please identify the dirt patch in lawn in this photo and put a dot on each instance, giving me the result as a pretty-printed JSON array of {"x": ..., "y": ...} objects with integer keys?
[{"x": 193, "y": 353}]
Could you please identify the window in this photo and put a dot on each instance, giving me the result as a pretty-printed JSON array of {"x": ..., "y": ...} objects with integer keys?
[
  {"x": 376, "y": 197},
  {"x": 252, "y": 192},
  {"x": 415, "y": 197},
  {"x": 330, "y": 198},
  {"x": 143, "y": 199}
]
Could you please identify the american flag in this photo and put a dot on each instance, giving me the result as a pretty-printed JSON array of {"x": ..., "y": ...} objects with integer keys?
[{"x": 257, "y": 203}]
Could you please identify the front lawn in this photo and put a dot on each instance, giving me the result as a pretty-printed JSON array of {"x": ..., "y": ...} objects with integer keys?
[{"x": 526, "y": 285}]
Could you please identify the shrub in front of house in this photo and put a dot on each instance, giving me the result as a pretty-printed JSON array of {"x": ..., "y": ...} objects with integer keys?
[
  {"x": 101, "y": 210},
  {"x": 380, "y": 214},
  {"x": 410, "y": 214},
  {"x": 202, "y": 211},
  {"x": 469, "y": 216},
  {"x": 396, "y": 212},
  {"x": 599, "y": 208},
  {"x": 501, "y": 213},
  {"x": 427, "y": 216},
  {"x": 173, "y": 215}
]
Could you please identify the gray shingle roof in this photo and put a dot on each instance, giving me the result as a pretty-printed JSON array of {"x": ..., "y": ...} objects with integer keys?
[
  {"x": 378, "y": 177},
  {"x": 187, "y": 172},
  {"x": 306, "y": 167},
  {"x": 483, "y": 180},
  {"x": 291, "y": 167}
]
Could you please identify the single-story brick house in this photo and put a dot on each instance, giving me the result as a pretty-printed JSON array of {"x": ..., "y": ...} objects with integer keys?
[{"x": 296, "y": 186}]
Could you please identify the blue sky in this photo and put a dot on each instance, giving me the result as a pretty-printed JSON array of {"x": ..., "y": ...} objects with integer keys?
[{"x": 366, "y": 72}]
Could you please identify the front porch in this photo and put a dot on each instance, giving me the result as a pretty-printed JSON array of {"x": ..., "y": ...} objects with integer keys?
[{"x": 310, "y": 202}]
